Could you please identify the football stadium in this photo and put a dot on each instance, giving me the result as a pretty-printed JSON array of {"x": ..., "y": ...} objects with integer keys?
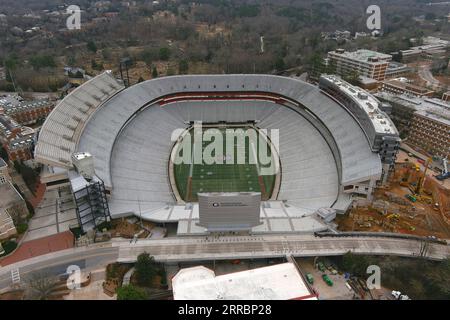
[{"x": 304, "y": 148}]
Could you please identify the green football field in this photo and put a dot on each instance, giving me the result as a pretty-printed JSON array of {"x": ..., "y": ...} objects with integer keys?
[{"x": 194, "y": 178}]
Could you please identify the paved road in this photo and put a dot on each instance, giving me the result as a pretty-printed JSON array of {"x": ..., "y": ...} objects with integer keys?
[
  {"x": 203, "y": 248},
  {"x": 198, "y": 249},
  {"x": 56, "y": 263},
  {"x": 426, "y": 75}
]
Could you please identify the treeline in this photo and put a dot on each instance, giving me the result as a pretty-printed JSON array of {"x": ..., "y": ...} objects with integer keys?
[{"x": 417, "y": 278}]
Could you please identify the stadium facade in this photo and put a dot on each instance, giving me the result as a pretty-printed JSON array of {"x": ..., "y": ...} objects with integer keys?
[{"x": 330, "y": 152}]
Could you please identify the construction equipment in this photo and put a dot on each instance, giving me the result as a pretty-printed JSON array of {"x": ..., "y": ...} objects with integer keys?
[
  {"x": 393, "y": 216},
  {"x": 327, "y": 280},
  {"x": 310, "y": 278},
  {"x": 321, "y": 267},
  {"x": 411, "y": 197},
  {"x": 421, "y": 182}
]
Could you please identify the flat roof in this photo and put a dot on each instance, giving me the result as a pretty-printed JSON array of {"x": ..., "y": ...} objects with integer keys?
[
  {"x": 277, "y": 282},
  {"x": 363, "y": 55},
  {"x": 8, "y": 195},
  {"x": 381, "y": 122},
  {"x": 433, "y": 108}
]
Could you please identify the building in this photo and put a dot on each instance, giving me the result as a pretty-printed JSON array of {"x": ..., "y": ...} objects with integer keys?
[
  {"x": 229, "y": 211},
  {"x": 88, "y": 192},
  {"x": 278, "y": 282},
  {"x": 16, "y": 139},
  {"x": 129, "y": 131},
  {"x": 396, "y": 69},
  {"x": 90, "y": 200},
  {"x": 7, "y": 228},
  {"x": 431, "y": 48},
  {"x": 431, "y": 133},
  {"x": 380, "y": 131},
  {"x": 25, "y": 112},
  {"x": 4, "y": 174},
  {"x": 402, "y": 86},
  {"x": 12, "y": 202},
  {"x": 446, "y": 96},
  {"x": 425, "y": 122},
  {"x": 364, "y": 62}
]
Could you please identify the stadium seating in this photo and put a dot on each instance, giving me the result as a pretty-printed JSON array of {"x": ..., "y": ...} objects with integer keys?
[{"x": 322, "y": 147}]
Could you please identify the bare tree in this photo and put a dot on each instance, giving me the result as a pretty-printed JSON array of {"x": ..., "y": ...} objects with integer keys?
[{"x": 39, "y": 286}]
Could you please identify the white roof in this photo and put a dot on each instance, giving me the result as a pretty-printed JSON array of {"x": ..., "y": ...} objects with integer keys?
[
  {"x": 277, "y": 282},
  {"x": 381, "y": 122}
]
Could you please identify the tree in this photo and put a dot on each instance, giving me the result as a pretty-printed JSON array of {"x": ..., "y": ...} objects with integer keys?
[
  {"x": 91, "y": 46},
  {"x": 146, "y": 269},
  {"x": 40, "y": 286},
  {"x": 352, "y": 77},
  {"x": 3, "y": 154},
  {"x": 42, "y": 61},
  {"x": 130, "y": 292},
  {"x": 279, "y": 64},
  {"x": 355, "y": 264},
  {"x": 154, "y": 72},
  {"x": 164, "y": 54},
  {"x": 183, "y": 67}
]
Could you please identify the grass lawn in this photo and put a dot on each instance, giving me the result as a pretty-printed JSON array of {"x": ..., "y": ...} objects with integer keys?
[{"x": 194, "y": 178}]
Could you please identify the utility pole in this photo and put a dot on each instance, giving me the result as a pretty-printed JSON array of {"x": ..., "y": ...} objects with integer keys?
[{"x": 140, "y": 212}]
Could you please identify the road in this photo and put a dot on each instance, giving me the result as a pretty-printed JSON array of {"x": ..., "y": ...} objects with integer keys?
[
  {"x": 200, "y": 249},
  {"x": 218, "y": 248},
  {"x": 56, "y": 263},
  {"x": 426, "y": 75}
]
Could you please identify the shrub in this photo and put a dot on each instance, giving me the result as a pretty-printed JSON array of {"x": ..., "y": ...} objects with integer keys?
[
  {"x": 9, "y": 246},
  {"x": 146, "y": 269},
  {"x": 21, "y": 228},
  {"x": 130, "y": 292}
]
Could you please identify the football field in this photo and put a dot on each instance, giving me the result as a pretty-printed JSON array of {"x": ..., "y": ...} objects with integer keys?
[{"x": 223, "y": 177}]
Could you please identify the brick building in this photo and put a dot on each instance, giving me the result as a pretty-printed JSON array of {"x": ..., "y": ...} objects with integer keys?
[
  {"x": 425, "y": 122},
  {"x": 15, "y": 139},
  {"x": 25, "y": 112},
  {"x": 431, "y": 133},
  {"x": 366, "y": 63}
]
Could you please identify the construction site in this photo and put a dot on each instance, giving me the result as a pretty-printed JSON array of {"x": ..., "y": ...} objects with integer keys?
[{"x": 413, "y": 201}]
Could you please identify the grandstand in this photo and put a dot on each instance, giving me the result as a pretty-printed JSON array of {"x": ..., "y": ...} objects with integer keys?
[{"x": 323, "y": 151}]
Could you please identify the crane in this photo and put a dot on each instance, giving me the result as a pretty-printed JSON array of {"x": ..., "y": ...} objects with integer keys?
[{"x": 421, "y": 181}]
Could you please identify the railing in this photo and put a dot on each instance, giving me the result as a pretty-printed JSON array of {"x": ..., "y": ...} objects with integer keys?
[{"x": 380, "y": 235}]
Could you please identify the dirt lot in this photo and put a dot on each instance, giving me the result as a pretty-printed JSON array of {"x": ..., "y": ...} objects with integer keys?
[
  {"x": 338, "y": 291},
  {"x": 391, "y": 211}
]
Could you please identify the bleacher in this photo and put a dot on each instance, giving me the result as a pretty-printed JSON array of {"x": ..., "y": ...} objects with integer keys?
[
  {"x": 322, "y": 147},
  {"x": 60, "y": 133}
]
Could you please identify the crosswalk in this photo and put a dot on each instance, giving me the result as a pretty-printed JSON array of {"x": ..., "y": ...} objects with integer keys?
[{"x": 15, "y": 276}]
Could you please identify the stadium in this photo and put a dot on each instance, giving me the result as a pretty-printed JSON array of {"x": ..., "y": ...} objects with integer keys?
[{"x": 334, "y": 143}]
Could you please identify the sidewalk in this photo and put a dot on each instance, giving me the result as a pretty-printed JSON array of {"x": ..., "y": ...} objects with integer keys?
[{"x": 38, "y": 247}]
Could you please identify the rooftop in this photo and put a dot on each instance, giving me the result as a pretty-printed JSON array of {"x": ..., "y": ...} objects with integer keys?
[
  {"x": 364, "y": 55},
  {"x": 381, "y": 122},
  {"x": 398, "y": 82},
  {"x": 2, "y": 163},
  {"x": 431, "y": 107},
  {"x": 8, "y": 195},
  {"x": 278, "y": 282}
]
